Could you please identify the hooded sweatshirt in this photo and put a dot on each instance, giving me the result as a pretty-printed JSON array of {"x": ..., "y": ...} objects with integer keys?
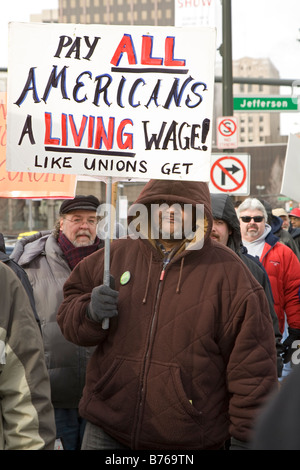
[{"x": 191, "y": 356}]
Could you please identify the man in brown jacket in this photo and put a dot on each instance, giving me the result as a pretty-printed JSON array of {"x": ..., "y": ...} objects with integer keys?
[{"x": 189, "y": 356}]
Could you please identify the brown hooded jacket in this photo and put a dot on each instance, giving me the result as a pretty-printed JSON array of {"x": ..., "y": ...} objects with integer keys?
[{"x": 191, "y": 357}]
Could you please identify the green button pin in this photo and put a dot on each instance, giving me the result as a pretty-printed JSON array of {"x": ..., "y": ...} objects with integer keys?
[{"x": 125, "y": 278}]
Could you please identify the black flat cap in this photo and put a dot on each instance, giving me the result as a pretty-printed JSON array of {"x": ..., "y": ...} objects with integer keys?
[{"x": 86, "y": 203}]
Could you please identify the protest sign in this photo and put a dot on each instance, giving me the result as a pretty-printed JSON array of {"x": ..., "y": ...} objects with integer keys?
[
  {"x": 291, "y": 172},
  {"x": 116, "y": 101},
  {"x": 30, "y": 185}
]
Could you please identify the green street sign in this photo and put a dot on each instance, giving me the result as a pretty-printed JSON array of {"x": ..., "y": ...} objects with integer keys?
[{"x": 265, "y": 103}]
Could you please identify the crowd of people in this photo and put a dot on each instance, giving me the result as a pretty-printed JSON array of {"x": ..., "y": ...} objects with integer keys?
[{"x": 203, "y": 314}]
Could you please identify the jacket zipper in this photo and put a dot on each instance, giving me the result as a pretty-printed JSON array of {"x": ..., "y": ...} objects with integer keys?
[{"x": 162, "y": 274}]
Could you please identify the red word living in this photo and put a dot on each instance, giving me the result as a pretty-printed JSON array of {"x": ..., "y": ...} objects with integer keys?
[{"x": 94, "y": 129}]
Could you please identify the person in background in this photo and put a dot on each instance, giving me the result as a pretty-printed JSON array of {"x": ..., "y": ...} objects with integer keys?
[
  {"x": 280, "y": 212},
  {"x": 286, "y": 238},
  {"x": 226, "y": 230},
  {"x": 27, "y": 417},
  {"x": 295, "y": 225},
  {"x": 189, "y": 356},
  {"x": 21, "y": 275},
  {"x": 48, "y": 259},
  {"x": 280, "y": 263},
  {"x": 278, "y": 424},
  {"x": 276, "y": 223}
]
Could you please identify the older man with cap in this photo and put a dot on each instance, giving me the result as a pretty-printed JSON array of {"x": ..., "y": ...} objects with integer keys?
[
  {"x": 48, "y": 258},
  {"x": 280, "y": 225},
  {"x": 280, "y": 212}
]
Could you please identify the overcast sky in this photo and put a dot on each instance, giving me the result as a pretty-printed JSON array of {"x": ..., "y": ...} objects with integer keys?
[
  {"x": 268, "y": 28},
  {"x": 18, "y": 10},
  {"x": 260, "y": 29}
]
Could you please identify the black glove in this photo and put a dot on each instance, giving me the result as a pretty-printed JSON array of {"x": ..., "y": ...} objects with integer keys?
[
  {"x": 104, "y": 301},
  {"x": 294, "y": 335}
]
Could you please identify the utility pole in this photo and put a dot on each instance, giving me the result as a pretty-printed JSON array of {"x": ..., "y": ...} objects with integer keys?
[{"x": 226, "y": 52}]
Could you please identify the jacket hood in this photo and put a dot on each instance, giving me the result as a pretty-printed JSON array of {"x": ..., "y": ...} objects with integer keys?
[
  {"x": 177, "y": 191},
  {"x": 274, "y": 221},
  {"x": 223, "y": 208},
  {"x": 27, "y": 248}
]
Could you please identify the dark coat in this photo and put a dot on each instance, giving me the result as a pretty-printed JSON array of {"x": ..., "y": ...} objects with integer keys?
[
  {"x": 295, "y": 233},
  {"x": 278, "y": 426},
  {"x": 284, "y": 236},
  {"x": 223, "y": 209},
  {"x": 21, "y": 275},
  {"x": 191, "y": 356}
]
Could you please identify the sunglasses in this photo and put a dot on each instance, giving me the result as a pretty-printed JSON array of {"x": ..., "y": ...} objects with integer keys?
[{"x": 257, "y": 218}]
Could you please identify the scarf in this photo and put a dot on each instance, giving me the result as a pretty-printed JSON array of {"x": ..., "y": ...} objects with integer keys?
[
  {"x": 255, "y": 248},
  {"x": 74, "y": 254}
]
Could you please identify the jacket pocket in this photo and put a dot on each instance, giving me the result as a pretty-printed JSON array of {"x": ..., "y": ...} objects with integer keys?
[
  {"x": 169, "y": 418},
  {"x": 114, "y": 398}
]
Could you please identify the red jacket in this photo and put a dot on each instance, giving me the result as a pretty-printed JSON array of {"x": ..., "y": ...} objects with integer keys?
[
  {"x": 283, "y": 269},
  {"x": 191, "y": 357}
]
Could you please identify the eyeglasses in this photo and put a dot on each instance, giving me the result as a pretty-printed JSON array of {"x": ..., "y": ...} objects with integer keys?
[
  {"x": 79, "y": 221},
  {"x": 247, "y": 218}
]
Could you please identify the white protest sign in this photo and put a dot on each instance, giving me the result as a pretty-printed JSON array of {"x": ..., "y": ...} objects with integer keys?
[
  {"x": 115, "y": 101},
  {"x": 290, "y": 186}
]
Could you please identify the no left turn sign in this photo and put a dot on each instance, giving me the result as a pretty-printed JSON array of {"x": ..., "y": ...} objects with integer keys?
[{"x": 230, "y": 174}]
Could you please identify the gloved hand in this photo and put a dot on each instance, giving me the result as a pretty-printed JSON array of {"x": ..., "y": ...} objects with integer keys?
[
  {"x": 104, "y": 301},
  {"x": 294, "y": 335}
]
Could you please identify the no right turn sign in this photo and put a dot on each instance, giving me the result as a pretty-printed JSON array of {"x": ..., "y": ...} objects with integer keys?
[{"x": 230, "y": 174}]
